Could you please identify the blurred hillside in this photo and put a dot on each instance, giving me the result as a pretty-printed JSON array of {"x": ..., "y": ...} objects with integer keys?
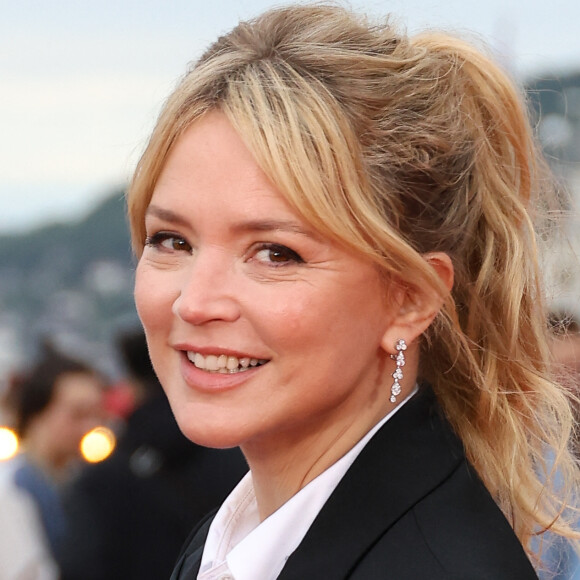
[{"x": 71, "y": 282}]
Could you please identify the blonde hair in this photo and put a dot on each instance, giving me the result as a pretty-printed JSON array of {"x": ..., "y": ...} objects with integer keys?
[{"x": 398, "y": 147}]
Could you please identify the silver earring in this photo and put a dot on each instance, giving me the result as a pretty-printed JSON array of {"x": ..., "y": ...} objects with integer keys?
[{"x": 401, "y": 347}]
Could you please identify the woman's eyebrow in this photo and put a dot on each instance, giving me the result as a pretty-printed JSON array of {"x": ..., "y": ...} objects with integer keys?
[
  {"x": 274, "y": 225},
  {"x": 166, "y": 215},
  {"x": 252, "y": 225}
]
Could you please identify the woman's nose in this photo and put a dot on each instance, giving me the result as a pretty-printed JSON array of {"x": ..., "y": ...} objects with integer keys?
[{"x": 208, "y": 291}]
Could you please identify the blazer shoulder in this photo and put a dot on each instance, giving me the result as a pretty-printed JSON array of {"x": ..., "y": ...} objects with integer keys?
[
  {"x": 456, "y": 532},
  {"x": 467, "y": 532}
]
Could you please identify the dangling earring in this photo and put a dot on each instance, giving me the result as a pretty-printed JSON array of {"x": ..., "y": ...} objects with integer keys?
[{"x": 401, "y": 347}]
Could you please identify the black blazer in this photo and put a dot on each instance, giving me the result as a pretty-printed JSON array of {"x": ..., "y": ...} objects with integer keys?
[{"x": 409, "y": 508}]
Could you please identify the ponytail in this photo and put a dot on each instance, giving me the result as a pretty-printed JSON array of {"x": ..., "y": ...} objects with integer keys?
[{"x": 488, "y": 360}]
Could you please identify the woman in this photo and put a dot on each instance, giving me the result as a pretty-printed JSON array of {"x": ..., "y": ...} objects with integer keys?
[{"x": 337, "y": 273}]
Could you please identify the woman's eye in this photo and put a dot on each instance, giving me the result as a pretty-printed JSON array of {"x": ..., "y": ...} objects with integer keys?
[
  {"x": 169, "y": 242},
  {"x": 277, "y": 254}
]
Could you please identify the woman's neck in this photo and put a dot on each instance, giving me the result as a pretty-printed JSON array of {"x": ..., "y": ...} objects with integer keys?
[{"x": 283, "y": 464}]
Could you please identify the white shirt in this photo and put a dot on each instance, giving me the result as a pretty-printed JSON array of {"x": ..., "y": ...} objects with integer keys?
[{"x": 239, "y": 547}]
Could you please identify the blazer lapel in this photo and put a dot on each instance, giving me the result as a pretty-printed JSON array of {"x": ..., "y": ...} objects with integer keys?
[
  {"x": 189, "y": 561},
  {"x": 410, "y": 455}
]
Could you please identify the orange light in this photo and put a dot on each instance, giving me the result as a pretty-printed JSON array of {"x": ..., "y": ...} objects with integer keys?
[
  {"x": 98, "y": 444},
  {"x": 9, "y": 443}
]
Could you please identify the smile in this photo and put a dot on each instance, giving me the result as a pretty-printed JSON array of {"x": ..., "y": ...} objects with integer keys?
[{"x": 223, "y": 364}]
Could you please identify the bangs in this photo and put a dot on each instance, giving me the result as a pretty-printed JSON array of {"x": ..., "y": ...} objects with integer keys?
[{"x": 300, "y": 137}]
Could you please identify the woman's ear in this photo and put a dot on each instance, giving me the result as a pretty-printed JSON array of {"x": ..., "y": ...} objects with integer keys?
[{"x": 418, "y": 306}]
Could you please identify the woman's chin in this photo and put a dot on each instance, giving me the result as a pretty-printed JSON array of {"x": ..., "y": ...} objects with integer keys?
[{"x": 214, "y": 436}]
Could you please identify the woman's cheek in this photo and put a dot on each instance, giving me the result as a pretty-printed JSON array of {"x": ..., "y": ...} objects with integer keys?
[
  {"x": 151, "y": 297},
  {"x": 139, "y": 294}
]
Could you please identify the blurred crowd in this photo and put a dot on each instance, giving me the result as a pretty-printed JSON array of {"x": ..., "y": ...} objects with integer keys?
[{"x": 127, "y": 516}]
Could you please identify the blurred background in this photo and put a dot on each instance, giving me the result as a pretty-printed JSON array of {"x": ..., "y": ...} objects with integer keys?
[{"x": 81, "y": 84}]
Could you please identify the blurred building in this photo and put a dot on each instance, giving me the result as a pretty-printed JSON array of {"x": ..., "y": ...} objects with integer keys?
[{"x": 555, "y": 103}]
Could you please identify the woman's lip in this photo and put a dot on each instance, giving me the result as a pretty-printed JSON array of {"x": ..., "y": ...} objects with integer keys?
[{"x": 202, "y": 380}]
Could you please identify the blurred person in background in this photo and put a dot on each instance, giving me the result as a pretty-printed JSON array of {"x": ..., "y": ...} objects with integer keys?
[
  {"x": 565, "y": 349},
  {"x": 53, "y": 406},
  {"x": 130, "y": 515},
  {"x": 565, "y": 346},
  {"x": 561, "y": 562}
]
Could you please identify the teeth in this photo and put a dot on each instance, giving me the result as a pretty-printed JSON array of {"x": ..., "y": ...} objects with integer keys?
[
  {"x": 222, "y": 363},
  {"x": 211, "y": 363}
]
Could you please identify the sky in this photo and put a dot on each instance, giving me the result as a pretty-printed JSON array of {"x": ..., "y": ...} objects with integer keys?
[{"x": 81, "y": 82}]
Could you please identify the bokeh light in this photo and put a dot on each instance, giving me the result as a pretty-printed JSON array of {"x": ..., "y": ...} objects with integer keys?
[
  {"x": 8, "y": 443},
  {"x": 98, "y": 444}
]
